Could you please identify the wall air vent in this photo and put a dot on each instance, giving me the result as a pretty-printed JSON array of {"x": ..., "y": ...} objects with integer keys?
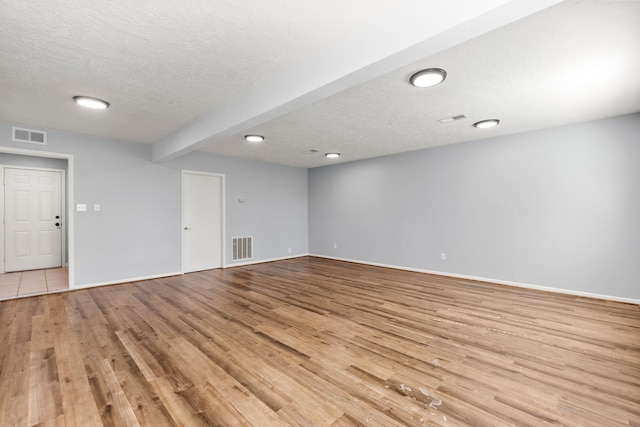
[
  {"x": 242, "y": 248},
  {"x": 29, "y": 135},
  {"x": 452, "y": 119}
]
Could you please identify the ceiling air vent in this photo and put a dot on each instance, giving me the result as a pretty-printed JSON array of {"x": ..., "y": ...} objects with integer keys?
[
  {"x": 452, "y": 119},
  {"x": 29, "y": 135}
]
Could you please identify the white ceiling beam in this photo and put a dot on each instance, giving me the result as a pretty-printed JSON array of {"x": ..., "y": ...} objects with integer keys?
[{"x": 413, "y": 32}]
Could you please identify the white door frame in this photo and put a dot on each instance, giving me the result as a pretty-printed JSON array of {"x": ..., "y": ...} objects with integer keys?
[
  {"x": 68, "y": 208},
  {"x": 223, "y": 261},
  {"x": 63, "y": 210}
]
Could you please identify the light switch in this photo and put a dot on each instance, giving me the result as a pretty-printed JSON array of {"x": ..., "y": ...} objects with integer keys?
[{"x": 96, "y": 207}]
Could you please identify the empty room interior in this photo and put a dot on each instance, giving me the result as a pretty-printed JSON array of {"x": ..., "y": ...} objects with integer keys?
[{"x": 292, "y": 213}]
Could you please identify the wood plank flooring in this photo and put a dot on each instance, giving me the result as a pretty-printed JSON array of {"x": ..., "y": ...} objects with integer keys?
[{"x": 314, "y": 342}]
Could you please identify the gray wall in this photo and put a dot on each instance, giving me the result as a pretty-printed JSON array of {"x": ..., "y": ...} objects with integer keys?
[
  {"x": 554, "y": 208},
  {"x": 274, "y": 211},
  {"x": 32, "y": 162},
  {"x": 137, "y": 231}
]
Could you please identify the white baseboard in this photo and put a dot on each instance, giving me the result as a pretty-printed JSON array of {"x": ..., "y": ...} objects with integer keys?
[
  {"x": 261, "y": 261},
  {"x": 133, "y": 279},
  {"x": 484, "y": 279}
]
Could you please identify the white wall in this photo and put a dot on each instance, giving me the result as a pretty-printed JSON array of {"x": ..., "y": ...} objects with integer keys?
[
  {"x": 554, "y": 208},
  {"x": 137, "y": 232}
]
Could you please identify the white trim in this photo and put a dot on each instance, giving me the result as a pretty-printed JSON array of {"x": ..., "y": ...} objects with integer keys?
[
  {"x": 242, "y": 264},
  {"x": 69, "y": 208},
  {"x": 131, "y": 280},
  {"x": 223, "y": 239},
  {"x": 484, "y": 279}
]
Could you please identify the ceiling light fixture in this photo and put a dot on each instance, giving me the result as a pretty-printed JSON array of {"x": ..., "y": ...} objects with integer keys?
[
  {"x": 332, "y": 155},
  {"x": 484, "y": 124},
  {"x": 89, "y": 102},
  {"x": 429, "y": 77},
  {"x": 254, "y": 138}
]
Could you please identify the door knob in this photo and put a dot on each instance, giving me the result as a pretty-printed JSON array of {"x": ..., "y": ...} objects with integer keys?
[
  {"x": 57, "y": 216},
  {"x": 187, "y": 228},
  {"x": 57, "y": 224}
]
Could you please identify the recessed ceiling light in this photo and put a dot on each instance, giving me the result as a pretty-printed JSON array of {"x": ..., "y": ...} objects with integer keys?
[
  {"x": 89, "y": 102},
  {"x": 429, "y": 77},
  {"x": 332, "y": 155},
  {"x": 484, "y": 124},
  {"x": 254, "y": 138}
]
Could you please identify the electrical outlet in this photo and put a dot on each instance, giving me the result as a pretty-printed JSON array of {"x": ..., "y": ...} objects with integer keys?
[
  {"x": 289, "y": 250},
  {"x": 443, "y": 256},
  {"x": 81, "y": 207},
  {"x": 335, "y": 246}
]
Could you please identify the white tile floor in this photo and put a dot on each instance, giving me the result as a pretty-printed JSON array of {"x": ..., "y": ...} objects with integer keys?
[{"x": 33, "y": 282}]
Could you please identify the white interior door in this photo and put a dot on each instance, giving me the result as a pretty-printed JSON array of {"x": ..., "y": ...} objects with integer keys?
[
  {"x": 202, "y": 221},
  {"x": 33, "y": 219}
]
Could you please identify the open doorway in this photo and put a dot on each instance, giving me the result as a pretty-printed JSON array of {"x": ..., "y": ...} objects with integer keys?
[{"x": 35, "y": 241}]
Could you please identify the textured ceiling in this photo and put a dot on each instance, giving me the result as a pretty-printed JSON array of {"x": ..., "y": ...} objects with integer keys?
[
  {"x": 160, "y": 63},
  {"x": 178, "y": 74}
]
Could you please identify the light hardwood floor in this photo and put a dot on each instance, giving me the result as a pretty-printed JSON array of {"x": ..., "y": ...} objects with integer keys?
[{"x": 316, "y": 342}]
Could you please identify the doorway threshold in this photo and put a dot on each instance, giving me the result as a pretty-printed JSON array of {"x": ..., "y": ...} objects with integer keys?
[{"x": 33, "y": 282}]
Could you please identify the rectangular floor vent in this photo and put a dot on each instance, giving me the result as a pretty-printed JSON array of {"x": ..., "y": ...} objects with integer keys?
[
  {"x": 242, "y": 248},
  {"x": 29, "y": 135}
]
